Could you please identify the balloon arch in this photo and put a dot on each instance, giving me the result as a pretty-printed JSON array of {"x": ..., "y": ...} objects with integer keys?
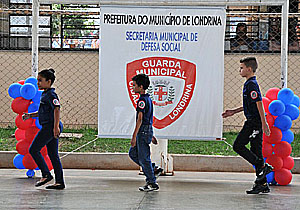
[{"x": 26, "y": 99}]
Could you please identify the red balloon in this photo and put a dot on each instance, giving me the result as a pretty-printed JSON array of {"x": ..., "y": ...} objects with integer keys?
[
  {"x": 22, "y": 147},
  {"x": 30, "y": 133},
  {"x": 20, "y": 105},
  {"x": 22, "y": 82},
  {"x": 272, "y": 93},
  {"x": 28, "y": 162},
  {"x": 288, "y": 163},
  {"x": 23, "y": 124},
  {"x": 48, "y": 162},
  {"x": 266, "y": 103},
  {"x": 19, "y": 134},
  {"x": 282, "y": 149},
  {"x": 283, "y": 176},
  {"x": 275, "y": 161},
  {"x": 275, "y": 136},
  {"x": 266, "y": 138},
  {"x": 270, "y": 120},
  {"x": 267, "y": 149},
  {"x": 44, "y": 151}
]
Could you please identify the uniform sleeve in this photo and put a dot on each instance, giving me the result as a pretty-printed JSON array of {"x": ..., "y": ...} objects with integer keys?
[
  {"x": 54, "y": 100},
  {"x": 254, "y": 92},
  {"x": 141, "y": 105}
]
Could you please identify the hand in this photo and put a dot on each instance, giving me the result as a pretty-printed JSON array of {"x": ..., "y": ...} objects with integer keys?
[
  {"x": 133, "y": 141},
  {"x": 154, "y": 140},
  {"x": 56, "y": 132},
  {"x": 266, "y": 129},
  {"x": 25, "y": 116},
  {"x": 228, "y": 113}
]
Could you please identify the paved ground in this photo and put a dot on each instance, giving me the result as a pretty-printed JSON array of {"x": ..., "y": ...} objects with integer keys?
[{"x": 87, "y": 189}]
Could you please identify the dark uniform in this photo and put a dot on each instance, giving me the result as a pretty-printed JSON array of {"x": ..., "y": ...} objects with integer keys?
[
  {"x": 49, "y": 100},
  {"x": 252, "y": 129},
  {"x": 140, "y": 154}
]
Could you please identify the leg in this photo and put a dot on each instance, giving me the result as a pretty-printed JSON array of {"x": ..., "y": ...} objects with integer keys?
[
  {"x": 52, "y": 148},
  {"x": 239, "y": 145},
  {"x": 143, "y": 141},
  {"x": 41, "y": 139},
  {"x": 133, "y": 154},
  {"x": 256, "y": 148}
]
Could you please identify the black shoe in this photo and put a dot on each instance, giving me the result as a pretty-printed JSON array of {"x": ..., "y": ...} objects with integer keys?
[
  {"x": 267, "y": 189},
  {"x": 47, "y": 179},
  {"x": 158, "y": 172},
  {"x": 149, "y": 187},
  {"x": 259, "y": 188},
  {"x": 56, "y": 187},
  {"x": 263, "y": 172}
]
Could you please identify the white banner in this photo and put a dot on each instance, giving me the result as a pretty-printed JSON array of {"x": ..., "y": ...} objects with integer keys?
[{"x": 182, "y": 52}]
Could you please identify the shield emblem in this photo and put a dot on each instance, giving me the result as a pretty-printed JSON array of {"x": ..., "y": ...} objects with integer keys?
[{"x": 172, "y": 83}]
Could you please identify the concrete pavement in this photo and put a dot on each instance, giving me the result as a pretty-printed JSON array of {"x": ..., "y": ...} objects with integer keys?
[{"x": 118, "y": 189}]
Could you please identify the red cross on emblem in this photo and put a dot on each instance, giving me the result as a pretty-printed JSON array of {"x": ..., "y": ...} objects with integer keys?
[{"x": 160, "y": 93}]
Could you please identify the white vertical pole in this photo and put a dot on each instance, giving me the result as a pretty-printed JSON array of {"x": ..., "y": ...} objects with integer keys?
[
  {"x": 284, "y": 43},
  {"x": 35, "y": 37}
]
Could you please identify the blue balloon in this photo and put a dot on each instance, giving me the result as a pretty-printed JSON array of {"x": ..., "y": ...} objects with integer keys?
[
  {"x": 14, "y": 90},
  {"x": 270, "y": 177},
  {"x": 296, "y": 101},
  {"x": 276, "y": 108},
  {"x": 18, "y": 161},
  {"x": 288, "y": 136},
  {"x": 37, "y": 98},
  {"x": 28, "y": 91},
  {"x": 286, "y": 95},
  {"x": 37, "y": 124},
  {"x": 33, "y": 108},
  {"x": 32, "y": 80},
  {"x": 283, "y": 122},
  {"x": 292, "y": 111},
  {"x": 30, "y": 173},
  {"x": 61, "y": 126}
]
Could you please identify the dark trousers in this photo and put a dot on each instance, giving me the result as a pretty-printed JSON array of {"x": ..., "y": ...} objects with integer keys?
[
  {"x": 251, "y": 132},
  {"x": 140, "y": 154},
  {"x": 46, "y": 137}
]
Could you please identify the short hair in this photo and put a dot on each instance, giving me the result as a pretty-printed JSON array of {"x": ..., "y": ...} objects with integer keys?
[
  {"x": 48, "y": 74},
  {"x": 250, "y": 62},
  {"x": 142, "y": 79}
]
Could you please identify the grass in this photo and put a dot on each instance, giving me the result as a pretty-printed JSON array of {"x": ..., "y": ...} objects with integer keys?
[{"x": 7, "y": 143}]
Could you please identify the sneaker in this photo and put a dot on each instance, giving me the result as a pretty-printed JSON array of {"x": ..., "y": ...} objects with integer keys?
[
  {"x": 44, "y": 180},
  {"x": 158, "y": 171},
  {"x": 56, "y": 186},
  {"x": 259, "y": 188},
  {"x": 149, "y": 187},
  {"x": 263, "y": 172},
  {"x": 267, "y": 189}
]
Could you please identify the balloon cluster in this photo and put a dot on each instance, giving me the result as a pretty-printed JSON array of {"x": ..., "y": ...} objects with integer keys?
[
  {"x": 26, "y": 97},
  {"x": 281, "y": 107}
]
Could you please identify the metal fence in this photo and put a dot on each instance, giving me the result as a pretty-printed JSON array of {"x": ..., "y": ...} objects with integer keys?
[{"x": 251, "y": 30}]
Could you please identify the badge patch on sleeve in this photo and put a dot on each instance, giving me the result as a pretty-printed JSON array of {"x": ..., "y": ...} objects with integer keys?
[
  {"x": 253, "y": 95},
  {"x": 56, "y": 102},
  {"x": 141, "y": 104}
]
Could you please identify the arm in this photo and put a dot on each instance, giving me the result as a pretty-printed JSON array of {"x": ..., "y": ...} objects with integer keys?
[
  {"x": 26, "y": 116},
  {"x": 56, "y": 130},
  {"x": 137, "y": 128},
  {"x": 231, "y": 112},
  {"x": 261, "y": 111}
]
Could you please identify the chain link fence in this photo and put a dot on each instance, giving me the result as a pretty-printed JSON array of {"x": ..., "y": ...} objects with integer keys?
[{"x": 250, "y": 31}]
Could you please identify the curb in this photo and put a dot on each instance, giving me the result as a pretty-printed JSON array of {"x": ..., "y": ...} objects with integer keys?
[{"x": 121, "y": 161}]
